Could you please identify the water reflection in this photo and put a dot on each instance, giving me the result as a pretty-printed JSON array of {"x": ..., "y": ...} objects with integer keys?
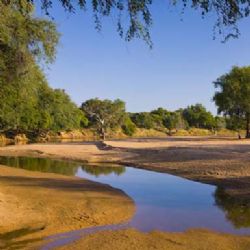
[
  {"x": 13, "y": 239},
  {"x": 163, "y": 202},
  {"x": 47, "y": 165},
  {"x": 237, "y": 211},
  {"x": 98, "y": 170},
  {"x": 41, "y": 164}
]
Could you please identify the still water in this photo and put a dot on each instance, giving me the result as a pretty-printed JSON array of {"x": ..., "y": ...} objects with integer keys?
[{"x": 163, "y": 202}]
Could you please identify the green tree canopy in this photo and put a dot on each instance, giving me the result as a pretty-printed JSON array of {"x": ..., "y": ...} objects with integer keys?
[
  {"x": 143, "y": 120},
  {"x": 30, "y": 104},
  {"x": 26, "y": 100},
  {"x": 128, "y": 127},
  {"x": 24, "y": 39},
  {"x": 104, "y": 114},
  {"x": 175, "y": 120},
  {"x": 134, "y": 19},
  {"x": 197, "y": 116},
  {"x": 233, "y": 96}
]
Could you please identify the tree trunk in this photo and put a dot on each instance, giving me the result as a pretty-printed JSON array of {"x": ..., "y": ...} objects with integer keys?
[
  {"x": 103, "y": 134},
  {"x": 248, "y": 126}
]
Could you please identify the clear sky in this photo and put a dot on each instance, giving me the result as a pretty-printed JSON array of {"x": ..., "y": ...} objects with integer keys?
[{"x": 177, "y": 72}]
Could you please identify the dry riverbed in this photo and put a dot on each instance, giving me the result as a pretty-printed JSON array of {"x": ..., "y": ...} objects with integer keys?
[{"x": 224, "y": 162}]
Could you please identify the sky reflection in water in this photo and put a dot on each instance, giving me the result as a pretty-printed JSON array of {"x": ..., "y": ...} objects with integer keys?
[{"x": 163, "y": 202}]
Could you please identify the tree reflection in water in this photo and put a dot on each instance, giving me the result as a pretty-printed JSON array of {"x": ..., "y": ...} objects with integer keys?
[
  {"x": 103, "y": 170},
  {"x": 237, "y": 211},
  {"x": 45, "y": 165}
]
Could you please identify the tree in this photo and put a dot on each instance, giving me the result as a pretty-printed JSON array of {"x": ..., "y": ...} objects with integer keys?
[
  {"x": 26, "y": 100},
  {"x": 24, "y": 40},
  {"x": 233, "y": 96},
  {"x": 143, "y": 120},
  {"x": 197, "y": 116},
  {"x": 128, "y": 127},
  {"x": 58, "y": 112},
  {"x": 30, "y": 104},
  {"x": 174, "y": 120},
  {"x": 137, "y": 13},
  {"x": 220, "y": 122},
  {"x": 104, "y": 114}
]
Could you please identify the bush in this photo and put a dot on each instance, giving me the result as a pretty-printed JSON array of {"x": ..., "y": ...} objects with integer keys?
[{"x": 128, "y": 128}]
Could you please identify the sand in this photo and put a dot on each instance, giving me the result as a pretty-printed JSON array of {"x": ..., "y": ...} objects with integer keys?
[
  {"x": 131, "y": 239},
  {"x": 221, "y": 161},
  {"x": 36, "y": 205}
]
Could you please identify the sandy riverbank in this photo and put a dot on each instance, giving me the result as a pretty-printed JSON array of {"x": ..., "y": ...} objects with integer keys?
[
  {"x": 224, "y": 162},
  {"x": 131, "y": 239},
  {"x": 34, "y": 205},
  {"x": 221, "y": 161}
]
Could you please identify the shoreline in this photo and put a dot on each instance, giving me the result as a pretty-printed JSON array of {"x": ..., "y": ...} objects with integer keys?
[
  {"x": 223, "y": 163},
  {"x": 35, "y": 205},
  {"x": 220, "y": 162}
]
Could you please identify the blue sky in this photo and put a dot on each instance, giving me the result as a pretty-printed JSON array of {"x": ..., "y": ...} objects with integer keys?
[{"x": 177, "y": 72}]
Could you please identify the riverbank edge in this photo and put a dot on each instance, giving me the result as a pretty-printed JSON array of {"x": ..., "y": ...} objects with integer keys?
[
  {"x": 24, "y": 228},
  {"x": 105, "y": 147}
]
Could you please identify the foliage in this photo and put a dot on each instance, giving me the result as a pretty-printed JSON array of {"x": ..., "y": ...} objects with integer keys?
[
  {"x": 233, "y": 97},
  {"x": 32, "y": 105},
  {"x": 197, "y": 116},
  {"x": 58, "y": 112},
  {"x": 104, "y": 114},
  {"x": 26, "y": 100},
  {"x": 23, "y": 39},
  {"x": 143, "y": 120},
  {"x": 128, "y": 127},
  {"x": 137, "y": 13},
  {"x": 220, "y": 122},
  {"x": 175, "y": 120}
]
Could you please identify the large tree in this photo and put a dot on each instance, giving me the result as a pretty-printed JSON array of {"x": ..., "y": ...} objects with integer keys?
[
  {"x": 24, "y": 40},
  {"x": 104, "y": 114},
  {"x": 26, "y": 100},
  {"x": 233, "y": 96},
  {"x": 134, "y": 16}
]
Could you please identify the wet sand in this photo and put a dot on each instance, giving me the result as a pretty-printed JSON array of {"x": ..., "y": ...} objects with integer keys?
[{"x": 131, "y": 239}]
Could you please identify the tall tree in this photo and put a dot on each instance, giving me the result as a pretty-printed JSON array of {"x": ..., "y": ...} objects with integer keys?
[
  {"x": 233, "y": 96},
  {"x": 134, "y": 16},
  {"x": 24, "y": 40},
  {"x": 104, "y": 114}
]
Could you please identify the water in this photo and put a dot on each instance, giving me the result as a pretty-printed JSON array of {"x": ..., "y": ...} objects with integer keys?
[
  {"x": 169, "y": 203},
  {"x": 163, "y": 202}
]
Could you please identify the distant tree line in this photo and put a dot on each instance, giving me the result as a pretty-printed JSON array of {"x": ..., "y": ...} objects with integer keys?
[{"x": 106, "y": 114}]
